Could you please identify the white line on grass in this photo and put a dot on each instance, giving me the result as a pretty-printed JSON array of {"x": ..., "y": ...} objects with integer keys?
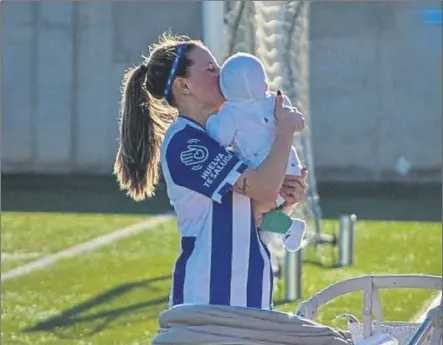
[
  {"x": 435, "y": 302},
  {"x": 87, "y": 246}
]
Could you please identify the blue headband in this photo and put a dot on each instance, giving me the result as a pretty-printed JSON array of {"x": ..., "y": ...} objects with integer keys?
[{"x": 178, "y": 55}]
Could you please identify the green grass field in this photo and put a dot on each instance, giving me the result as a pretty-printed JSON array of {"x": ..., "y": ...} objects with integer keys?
[
  {"x": 114, "y": 294},
  {"x": 30, "y": 236}
]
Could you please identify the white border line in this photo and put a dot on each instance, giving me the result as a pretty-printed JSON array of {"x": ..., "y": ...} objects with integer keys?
[{"x": 87, "y": 246}]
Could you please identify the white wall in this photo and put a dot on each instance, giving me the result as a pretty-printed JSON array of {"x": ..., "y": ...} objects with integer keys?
[
  {"x": 375, "y": 90},
  {"x": 62, "y": 65},
  {"x": 375, "y": 81}
]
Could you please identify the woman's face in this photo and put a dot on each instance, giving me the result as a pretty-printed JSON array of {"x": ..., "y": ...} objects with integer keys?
[{"x": 203, "y": 78}]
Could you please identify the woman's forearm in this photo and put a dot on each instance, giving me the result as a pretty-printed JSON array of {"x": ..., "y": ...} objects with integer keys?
[
  {"x": 272, "y": 171},
  {"x": 260, "y": 208},
  {"x": 264, "y": 183},
  {"x": 263, "y": 207}
]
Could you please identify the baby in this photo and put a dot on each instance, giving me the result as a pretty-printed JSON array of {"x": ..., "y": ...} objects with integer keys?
[{"x": 247, "y": 124}]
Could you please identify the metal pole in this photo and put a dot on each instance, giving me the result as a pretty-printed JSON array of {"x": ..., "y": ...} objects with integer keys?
[
  {"x": 346, "y": 240},
  {"x": 213, "y": 27},
  {"x": 293, "y": 275}
]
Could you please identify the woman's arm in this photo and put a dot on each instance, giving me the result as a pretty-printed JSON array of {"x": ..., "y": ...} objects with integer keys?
[
  {"x": 293, "y": 191},
  {"x": 264, "y": 182},
  {"x": 259, "y": 209}
]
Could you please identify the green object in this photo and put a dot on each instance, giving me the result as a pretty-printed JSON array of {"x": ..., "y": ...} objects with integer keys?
[{"x": 276, "y": 221}]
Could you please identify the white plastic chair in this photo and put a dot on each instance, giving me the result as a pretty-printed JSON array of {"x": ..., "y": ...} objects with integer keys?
[{"x": 402, "y": 331}]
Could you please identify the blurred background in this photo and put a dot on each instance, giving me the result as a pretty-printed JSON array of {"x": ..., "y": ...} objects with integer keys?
[
  {"x": 371, "y": 87},
  {"x": 374, "y": 76}
]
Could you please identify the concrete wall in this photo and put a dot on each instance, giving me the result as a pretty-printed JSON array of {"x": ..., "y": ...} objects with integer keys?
[
  {"x": 375, "y": 80},
  {"x": 62, "y": 64},
  {"x": 376, "y": 90}
]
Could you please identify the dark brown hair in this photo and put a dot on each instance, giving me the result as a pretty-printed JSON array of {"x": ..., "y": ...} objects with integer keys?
[{"x": 144, "y": 118}]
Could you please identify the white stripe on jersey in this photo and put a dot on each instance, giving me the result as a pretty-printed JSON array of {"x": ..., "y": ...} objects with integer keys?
[
  {"x": 222, "y": 259},
  {"x": 240, "y": 255}
]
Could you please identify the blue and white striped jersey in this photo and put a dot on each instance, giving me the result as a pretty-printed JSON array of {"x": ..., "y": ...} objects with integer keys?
[{"x": 222, "y": 259}]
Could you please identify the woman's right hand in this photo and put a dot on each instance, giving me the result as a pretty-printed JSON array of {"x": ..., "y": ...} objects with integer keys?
[{"x": 288, "y": 119}]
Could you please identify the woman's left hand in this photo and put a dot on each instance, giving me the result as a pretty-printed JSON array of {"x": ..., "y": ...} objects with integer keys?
[
  {"x": 294, "y": 188},
  {"x": 293, "y": 191}
]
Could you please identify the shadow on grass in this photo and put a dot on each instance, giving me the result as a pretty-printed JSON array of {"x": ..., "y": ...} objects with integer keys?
[
  {"x": 96, "y": 314},
  {"x": 322, "y": 265},
  {"x": 74, "y": 194},
  {"x": 100, "y": 194}
]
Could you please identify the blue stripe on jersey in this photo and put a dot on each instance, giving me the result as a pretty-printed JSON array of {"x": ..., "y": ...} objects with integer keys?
[
  {"x": 225, "y": 189},
  {"x": 242, "y": 168},
  {"x": 255, "y": 271},
  {"x": 227, "y": 186},
  {"x": 187, "y": 244},
  {"x": 268, "y": 253},
  {"x": 221, "y": 251}
]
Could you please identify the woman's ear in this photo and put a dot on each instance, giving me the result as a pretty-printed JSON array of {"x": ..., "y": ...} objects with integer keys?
[{"x": 180, "y": 84}]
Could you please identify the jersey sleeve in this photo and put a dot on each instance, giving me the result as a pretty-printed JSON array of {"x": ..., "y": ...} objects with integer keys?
[
  {"x": 221, "y": 127},
  {"x": 196, "y": 161}
]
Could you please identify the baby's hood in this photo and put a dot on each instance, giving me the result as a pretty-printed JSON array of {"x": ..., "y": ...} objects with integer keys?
[{"x": 243, "y": 78}]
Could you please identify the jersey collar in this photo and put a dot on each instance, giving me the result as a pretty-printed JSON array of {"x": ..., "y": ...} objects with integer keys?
[{"x": 191, "y": 120}]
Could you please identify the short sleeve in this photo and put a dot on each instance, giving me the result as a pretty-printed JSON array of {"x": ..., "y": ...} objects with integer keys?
[
  {"x": 196, "y": 161},
  {"x": 221, "y": 127}
]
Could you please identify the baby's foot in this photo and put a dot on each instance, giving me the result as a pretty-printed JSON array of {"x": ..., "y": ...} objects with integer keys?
[{"x": 292, "y": 239}]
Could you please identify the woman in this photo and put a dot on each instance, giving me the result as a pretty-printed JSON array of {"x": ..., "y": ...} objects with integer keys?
[{"x": 222, "y": 260}]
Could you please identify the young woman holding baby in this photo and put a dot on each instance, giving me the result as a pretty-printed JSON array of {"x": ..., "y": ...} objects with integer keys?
[{"x": 223, "y": 260}]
